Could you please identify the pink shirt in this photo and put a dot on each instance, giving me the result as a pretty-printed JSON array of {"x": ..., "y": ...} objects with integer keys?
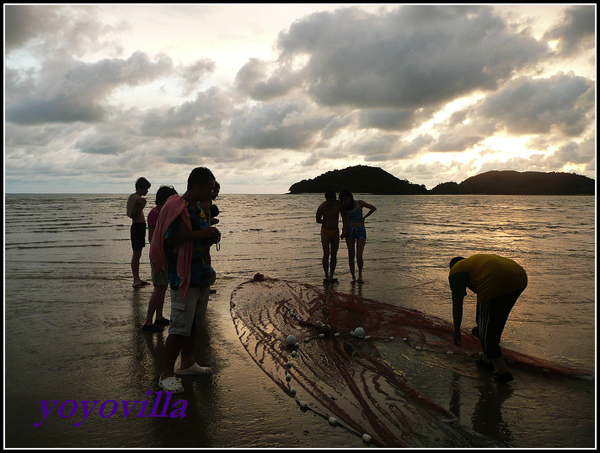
[
  {"x": 173, "y": 208},
  {"x": 153, "y": 216}
]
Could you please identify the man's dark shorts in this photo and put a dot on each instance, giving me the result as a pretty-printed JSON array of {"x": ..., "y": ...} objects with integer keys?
[{"x": 138, "y": 235}]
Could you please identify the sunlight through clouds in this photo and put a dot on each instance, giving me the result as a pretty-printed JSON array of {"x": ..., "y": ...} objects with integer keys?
[{"x": 284, "y": 92}]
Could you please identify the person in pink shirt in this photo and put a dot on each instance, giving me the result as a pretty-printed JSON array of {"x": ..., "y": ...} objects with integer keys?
[{"x": 159, "y": 278}]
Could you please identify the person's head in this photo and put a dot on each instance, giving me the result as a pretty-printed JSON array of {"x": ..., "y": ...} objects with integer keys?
[
  {"x": 330, "y": 195},
  {"x": 142, "y": 185},
  {"x": 455, "y": 260},
  {"x": 215, "y": 192},
  {"x": 346, "y": 198},
  {"x": 202, "y": 182},
  {"x": 163, "y": 194}
]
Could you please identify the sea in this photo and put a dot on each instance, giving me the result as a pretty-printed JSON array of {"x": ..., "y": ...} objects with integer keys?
[{"x": 72, "y": 317}]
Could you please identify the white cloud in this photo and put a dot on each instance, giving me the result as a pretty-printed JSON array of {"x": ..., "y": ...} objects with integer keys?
[
  {"x": 563, "y": 103},
  {"x": 576, "y": 30},
  {"x": 69, "y": 91},
  {"x": 271, "y": 94}
]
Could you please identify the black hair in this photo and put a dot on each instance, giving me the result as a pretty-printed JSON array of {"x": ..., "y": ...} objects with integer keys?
[
  {"x": 455, "y": 260},
  {"x": 142, "y": 183},
  {"x": 200, "y": 175},
  {"x": 347, "y": 193},
  {"x": 329, "y": 194},
  {"x": 163, "y": 194}
]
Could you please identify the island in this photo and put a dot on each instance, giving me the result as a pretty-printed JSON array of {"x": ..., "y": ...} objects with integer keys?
[{"x": 374, "y": 180}]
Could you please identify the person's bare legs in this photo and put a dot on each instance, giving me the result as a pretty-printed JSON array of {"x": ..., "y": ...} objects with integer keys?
[
  {"x": 187, "y": 350},
  {"x": 360, "y": 247},
  {"x": 325, "y": 244},
  {"x": 335, "y": 245},
  {"x": 135, "y": 266},
  {"x": 173, "y": 346},
  {"x": 351, "y": 254},
  {"x": 156, "y": 303}
]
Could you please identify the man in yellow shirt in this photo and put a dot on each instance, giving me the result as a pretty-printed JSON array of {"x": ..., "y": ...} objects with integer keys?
[{"x": 498, "y": 283}]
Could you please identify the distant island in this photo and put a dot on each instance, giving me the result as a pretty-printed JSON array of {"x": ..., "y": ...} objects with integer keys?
[{"x": 374, "y": 180}]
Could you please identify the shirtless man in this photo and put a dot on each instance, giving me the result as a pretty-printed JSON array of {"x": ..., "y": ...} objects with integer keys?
[
  {"x": 135, "y": 211},
  {"x": 328, "y": 215}
]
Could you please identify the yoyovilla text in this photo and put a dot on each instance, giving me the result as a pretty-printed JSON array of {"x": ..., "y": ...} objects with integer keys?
[{"x": 109, "y": 408}]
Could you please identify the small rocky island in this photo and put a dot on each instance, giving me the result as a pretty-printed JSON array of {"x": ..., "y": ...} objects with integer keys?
[{"x": 374, "y": 180}]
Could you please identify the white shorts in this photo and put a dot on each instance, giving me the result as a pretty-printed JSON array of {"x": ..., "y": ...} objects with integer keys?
[{"x": 189, "y": 313}]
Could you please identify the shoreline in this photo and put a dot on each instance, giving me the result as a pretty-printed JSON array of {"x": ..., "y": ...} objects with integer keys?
[
  {"x": 238, "y": 406},
  {"x": 108, "y": 357}
]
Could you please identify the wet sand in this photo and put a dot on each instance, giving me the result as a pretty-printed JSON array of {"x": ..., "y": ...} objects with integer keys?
[
  {"x": 72, "y": 320},
  {"x": 80, "y": 340},
  {"x": 88, "y": 346}
]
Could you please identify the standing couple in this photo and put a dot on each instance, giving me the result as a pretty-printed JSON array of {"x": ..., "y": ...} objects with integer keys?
[{"x": 353, "y": 230}]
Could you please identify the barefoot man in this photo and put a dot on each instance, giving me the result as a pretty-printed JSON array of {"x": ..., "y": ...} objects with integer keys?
[
  {"x": 498, "y": 283},
  {"x": 328, "y": 215}
]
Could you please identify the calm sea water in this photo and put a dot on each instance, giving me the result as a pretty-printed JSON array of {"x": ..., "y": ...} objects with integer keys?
[{"x": 64, "y": 250}]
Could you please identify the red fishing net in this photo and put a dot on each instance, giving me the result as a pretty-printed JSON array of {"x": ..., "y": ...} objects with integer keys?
[{"x": 335, "y": 373}]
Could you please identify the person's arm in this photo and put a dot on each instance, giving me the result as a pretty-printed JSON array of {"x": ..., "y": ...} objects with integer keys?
[
  {"x": 458, "y": 285},
  {"x": 208, "y": 233},
  {"x": 369, "y": 206},
  {"x": 140, "y": 204},
  {"x": 319, "y": 215},
  {"x": 151, "y": 229},
  {"x": 344, "y": 224},
  {"x": 457, "y": 313},
  {"x": 175, "y": 236}
]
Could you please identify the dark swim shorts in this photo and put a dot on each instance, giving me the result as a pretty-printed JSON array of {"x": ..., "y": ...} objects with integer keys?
[
  {"x": 138, "y": 235},
  {"x": 357, "y": 232}
]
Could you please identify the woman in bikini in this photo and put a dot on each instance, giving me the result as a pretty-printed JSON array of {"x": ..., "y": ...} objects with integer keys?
[
  {"x": 354, "y": 230},
  {"x": 328, "y": 215}
]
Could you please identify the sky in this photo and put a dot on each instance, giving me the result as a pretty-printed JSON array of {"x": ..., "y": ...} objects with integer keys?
[{"x": 266, "y": 95}]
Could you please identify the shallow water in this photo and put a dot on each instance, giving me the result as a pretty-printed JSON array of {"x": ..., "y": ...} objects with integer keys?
[{"x": 72, "y": 318}]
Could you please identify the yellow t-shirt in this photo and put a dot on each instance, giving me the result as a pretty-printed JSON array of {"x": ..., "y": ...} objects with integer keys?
[{"x": 489, "y": 276}]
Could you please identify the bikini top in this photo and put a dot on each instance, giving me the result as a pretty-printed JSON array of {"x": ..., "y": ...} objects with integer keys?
[{"x": 355, "y": 216}]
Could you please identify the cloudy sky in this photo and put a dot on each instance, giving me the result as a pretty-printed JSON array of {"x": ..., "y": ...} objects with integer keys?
[{"x": 269, "y": 94}]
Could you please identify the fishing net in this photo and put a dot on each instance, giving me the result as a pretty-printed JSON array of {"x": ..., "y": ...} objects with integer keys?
[{"x": 336, "y": 374}]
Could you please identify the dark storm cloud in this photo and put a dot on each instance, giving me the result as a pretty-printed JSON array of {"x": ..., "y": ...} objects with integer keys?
[
  {"x": 411, "y": 57},
  {"x": 575, "y": 31},
  {"x": 70, "y": 91},
  {"x": 564, "y": 103}
]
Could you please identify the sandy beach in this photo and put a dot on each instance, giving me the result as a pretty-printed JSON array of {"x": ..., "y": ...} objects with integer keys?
[
  {"x": 73, "y": 336},
  {"x": 105, "y": 356}
]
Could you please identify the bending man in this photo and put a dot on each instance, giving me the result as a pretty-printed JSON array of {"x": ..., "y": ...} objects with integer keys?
[{"x": 498, "y": 283}]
